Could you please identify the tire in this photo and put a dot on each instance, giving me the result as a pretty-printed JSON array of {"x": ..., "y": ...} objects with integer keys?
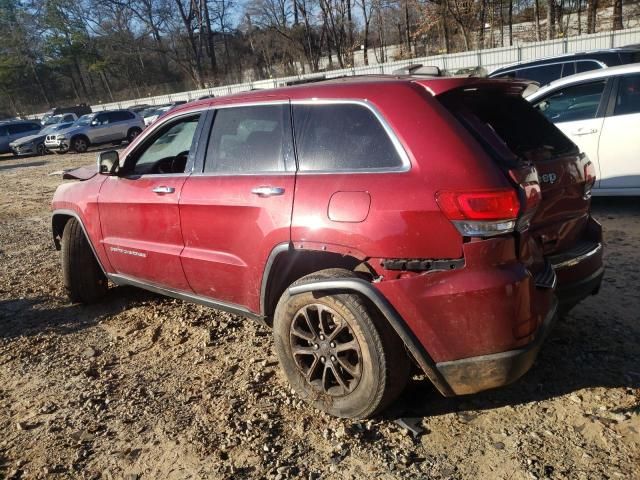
[
  {"x": 79, "y": 144},
  {"x": 133, "y": 133},
  {"x": 83, "y": 277},
  {"x": 40, "y": 150},
  {"x": 374, "y": 370}
]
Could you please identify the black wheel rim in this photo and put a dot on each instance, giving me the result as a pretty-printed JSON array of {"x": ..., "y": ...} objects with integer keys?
[
  {"x": 81, "y": 145},
  {"x": 40, "y": 149},
  {"x": 325, "y": 350}
]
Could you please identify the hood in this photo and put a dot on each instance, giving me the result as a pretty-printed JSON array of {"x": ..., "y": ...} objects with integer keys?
[
  {"x": 82, "y": 173},
  {"x": 67, "y": 131},
  {"x": 31, "y": 138}
]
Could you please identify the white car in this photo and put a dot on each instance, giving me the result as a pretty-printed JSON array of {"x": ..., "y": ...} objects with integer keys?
[{"x": 600, "y": 112}]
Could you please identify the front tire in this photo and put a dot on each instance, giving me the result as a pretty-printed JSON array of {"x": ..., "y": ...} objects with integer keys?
[
  {"x": 40, "y": 150},
  {"x": 84, "y": 280},
  {"x": 80, "y": 144},
  {"x": 338, "y": 353},
  {"x": 132, "y": 134}
]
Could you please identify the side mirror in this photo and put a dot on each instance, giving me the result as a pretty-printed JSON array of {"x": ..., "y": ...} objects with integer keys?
[{"x": 108, "y": 162}]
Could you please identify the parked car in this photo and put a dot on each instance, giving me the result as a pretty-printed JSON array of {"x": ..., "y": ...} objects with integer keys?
[
  {"x": 138, "y": 108},
  {"x": 13, "y": 130},
  {"x": 446, "y": 245},
  {"x": 61, "y": 118},
  {"x": 34, "y": 144},
  {"x": 78, "y": 110},
  {"x": 549, "y": 69},
  {"x": 151, "y": 115},
  {"x": 600, "y": 112},
  {"x": 96, "y": 129}
]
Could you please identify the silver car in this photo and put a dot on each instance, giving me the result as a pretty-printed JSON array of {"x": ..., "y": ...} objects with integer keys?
[
  {"x": 15, "y": 129},
  {"x": 96, "y": 129},
  {"x": 34, "y": 144}
]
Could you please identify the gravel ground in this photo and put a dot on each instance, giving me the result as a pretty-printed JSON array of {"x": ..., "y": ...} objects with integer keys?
[{"x": 142, "y": 387}]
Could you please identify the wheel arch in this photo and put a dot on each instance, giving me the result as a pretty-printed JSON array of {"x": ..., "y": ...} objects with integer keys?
[
  {"x": 368, "y": 290},
  {"x": 59, "y": 220},
  {"x": 79, "y": 135}
]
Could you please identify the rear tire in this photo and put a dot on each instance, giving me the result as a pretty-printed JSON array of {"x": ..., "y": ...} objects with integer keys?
[
  {"x": 84, "y": 280},
  {"x": 355, "y": 343}
]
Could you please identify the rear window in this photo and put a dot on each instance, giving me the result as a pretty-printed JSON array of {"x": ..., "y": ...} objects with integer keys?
[{"x": 506, "y": 124}]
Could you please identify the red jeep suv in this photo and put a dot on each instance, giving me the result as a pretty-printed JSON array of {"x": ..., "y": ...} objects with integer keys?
[{"x": 371, "y": 222}]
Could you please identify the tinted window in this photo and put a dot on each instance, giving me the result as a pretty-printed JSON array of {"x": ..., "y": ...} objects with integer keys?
[
  {"x": 586, "y": 66},
  {"x": 628, "y": 99},
  {"x": 543, "y": 74},
  {"x": 249, "y": 140},
  {"x": 3, "y": 132},
  {"x": 119, "y": 116},
  {"x": 68, "y": 118},
  {"x": 342, "y": 137},
  {"x": 578, "y": 102},
  {"x": 568, "y": 68},
  {"x": 103, "y": 118},
  {"x": 630, "y": 57},
  {"x": 20, "y": 128},
  {"x": 168, "y": 150},
  {"x": 499, "y": 120}
]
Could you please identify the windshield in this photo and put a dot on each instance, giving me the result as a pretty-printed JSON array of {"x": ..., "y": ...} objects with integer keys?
[
  {"x": 147, "y": 112},
  {"x": 84, "y": 120},
  {"x": 51, "y": 120}
]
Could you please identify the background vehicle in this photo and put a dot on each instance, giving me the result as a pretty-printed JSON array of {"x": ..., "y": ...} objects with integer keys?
[
  {"x": 600, "y": 112},
  {"x": 78, "y": 110},
  {"x": 15, "y": 129},
  {"x": 96, "y": 129},
  {"x": 549, "y": 69},
  {"x": 151, "y": 115},
  {"x": 34, "y": 144},
  {"x": 443, "y": 245}
]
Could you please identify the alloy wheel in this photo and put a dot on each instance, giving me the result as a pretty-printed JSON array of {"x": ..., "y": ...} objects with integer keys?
[{"x": 325, "y": 350}]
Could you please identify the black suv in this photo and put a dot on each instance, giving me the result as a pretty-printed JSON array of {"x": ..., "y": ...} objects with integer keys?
[{"x": 548, "y": 69}]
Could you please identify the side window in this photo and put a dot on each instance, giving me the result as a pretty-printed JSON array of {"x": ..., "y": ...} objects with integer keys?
[
  {"x": 578, "y": 102},
  {"x": 19, "y": 128},
  {"x": 3, "y": 132},
  {"x": 568, "y": 68},
  {"x": 103, "y": 119},
  {"x": 249, "y": 140},
  {"x": 167, "y": 151},
  {"x": 35, "y": 126},
  {"x": 543, "y": 74},
  {"x": 118, "y": 117},
  {"x": 628, "y": 98},
  {"x": 67, "y": 118},
  {"x": 337, "y": 137},
  {"x": 586, "y": 66}
]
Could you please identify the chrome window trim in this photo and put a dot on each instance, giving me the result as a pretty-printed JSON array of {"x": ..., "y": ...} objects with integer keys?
[{"x": 404, "y": 157}]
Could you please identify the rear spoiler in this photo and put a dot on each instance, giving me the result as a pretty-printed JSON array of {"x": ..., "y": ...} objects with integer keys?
[{"x": 437, "y": 86}]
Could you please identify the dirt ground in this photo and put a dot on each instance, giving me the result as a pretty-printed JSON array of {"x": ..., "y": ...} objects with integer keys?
[{"x": 142, "y": 387}]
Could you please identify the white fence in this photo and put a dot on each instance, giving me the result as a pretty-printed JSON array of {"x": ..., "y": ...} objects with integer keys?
[{"x": 490, "y": 59}]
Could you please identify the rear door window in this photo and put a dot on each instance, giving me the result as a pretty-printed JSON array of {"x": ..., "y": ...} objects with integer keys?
[
  {"x": 568, "y": 68},
  {"x": 255, "y": 139},
  {"x": 506, "y": 124},
  {"x": 628, "y": 98},
  {"x": 20, "y": 128},
  {"x": 569, "y": 104},
  {"x": 342, "y": 137}
]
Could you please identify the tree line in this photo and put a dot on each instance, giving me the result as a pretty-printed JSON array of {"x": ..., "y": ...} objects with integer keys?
[{"x": 55, "y": 52}]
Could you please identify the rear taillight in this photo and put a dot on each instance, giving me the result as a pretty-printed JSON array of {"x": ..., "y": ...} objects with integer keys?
[
  {"x": 589, "y": 179},
  {"x": 482, "y": 213}
]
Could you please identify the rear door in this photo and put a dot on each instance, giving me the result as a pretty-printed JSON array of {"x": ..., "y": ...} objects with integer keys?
[
  {"x": 578, "y": 110},
  {"x": 619, "y": 148},
  {"x": 139, "y": 213},
  {"x": 100, "y": 128},
  {"x": 238, "y": 208}
]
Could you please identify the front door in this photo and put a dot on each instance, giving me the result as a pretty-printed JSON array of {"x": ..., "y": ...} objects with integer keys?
[
  {"x": 239, "y": 208},
  {"x": 139, "y": 212},
  {"x": 619, "y": 148}
]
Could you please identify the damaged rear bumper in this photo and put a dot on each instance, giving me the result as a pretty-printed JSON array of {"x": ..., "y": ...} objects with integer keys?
[{"x": 474, "y": 374}]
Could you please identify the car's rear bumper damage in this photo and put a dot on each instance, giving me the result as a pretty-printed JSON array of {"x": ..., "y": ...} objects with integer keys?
[{"x": 475, "y": 374}]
